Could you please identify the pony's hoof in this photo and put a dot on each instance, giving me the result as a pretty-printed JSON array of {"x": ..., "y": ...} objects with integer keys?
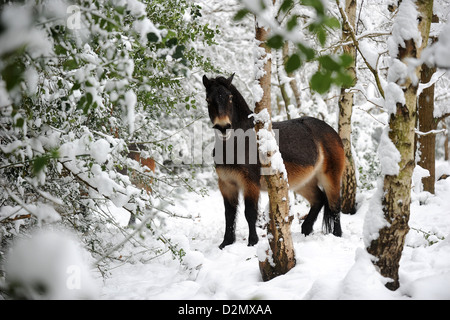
[
  {"x": 306, "y": 230},
  {"x": 252, "y": 242},
  {"x": 225, "y": 243}
]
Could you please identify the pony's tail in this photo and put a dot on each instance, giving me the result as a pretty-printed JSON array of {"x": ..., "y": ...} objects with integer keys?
[{"x": 331, "y": 220}]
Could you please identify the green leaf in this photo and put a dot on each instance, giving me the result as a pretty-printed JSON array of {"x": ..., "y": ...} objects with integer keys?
[
  {"x": 293, "y": 63},
  {"x": 332, "y": 23},
  {"x": 329, "y": 63},
  {"x": 307, "y": 51},
  {"x": 316, "y": 4},
  {"x": 89, "y": 98},
  {"x": 60, "y": 50},
  {"x": 241, "y": 14},
  {"x": 179, "y": 52},
  {"x": 171, "y": 42},
  {"x": 321, "y": 36},
  {"x": 321, "y": 82},
  {"x": 40, "y": 163},
  {"x": 76, "y": 86},
  {"x": 275, "y": 42},
  {"x": 19, "y": 123},
  {"x": 81, "y": 103},
  {"x": 120, "y": 9},
  {"x": 292, "y": 23},
  {"x": 54, "y": 153},
  {"x": 286, "y": 5},
  {"x": 12, "y": 75},
  {"x": 152, "y": 37},
  {"x": 346, "y": 60},
  {"x": 344, "y": 80},
  {"x": 70, "y": 64}
]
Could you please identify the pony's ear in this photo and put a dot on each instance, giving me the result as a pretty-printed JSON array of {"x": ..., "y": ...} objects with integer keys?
[
  {"x": 230, "y": 79},
  {"x": 206, "y": 81}
]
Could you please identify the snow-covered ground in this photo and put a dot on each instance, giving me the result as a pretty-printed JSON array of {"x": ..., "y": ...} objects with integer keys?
[{"x": 327, "y": 267}]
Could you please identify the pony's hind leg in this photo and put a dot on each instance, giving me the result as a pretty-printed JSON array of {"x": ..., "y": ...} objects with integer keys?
[
  {"x": 331, "y": 216},
  {"x": 330, "y": 179},
  {"x": 332, "y": 220},
  {"x": 317, "y": 199}
]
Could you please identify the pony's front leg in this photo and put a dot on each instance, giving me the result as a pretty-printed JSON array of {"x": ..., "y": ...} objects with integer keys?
[
  {"x": 230, "y": 195},
  {"x": 251, "y": 198},
  {"x": 230, "y": 223},
  {"x": 251, "y": 214}
]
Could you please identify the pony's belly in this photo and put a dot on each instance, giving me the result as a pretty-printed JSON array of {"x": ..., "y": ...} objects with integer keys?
[{"x": 298, "y": 176}]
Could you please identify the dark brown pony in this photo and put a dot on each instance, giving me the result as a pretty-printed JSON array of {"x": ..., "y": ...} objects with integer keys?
[{"x": 311, "y": 150}]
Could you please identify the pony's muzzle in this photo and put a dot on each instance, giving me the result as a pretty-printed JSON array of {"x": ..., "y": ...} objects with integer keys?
[{"x": 224, "y": 130}]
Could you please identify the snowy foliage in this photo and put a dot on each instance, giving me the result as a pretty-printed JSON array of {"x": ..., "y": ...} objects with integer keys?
[{"x": 80, "y": 84}]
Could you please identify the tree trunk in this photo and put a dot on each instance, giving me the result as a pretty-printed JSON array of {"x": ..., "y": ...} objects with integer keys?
[
  {"x": 284, "y": 94},
  {"x": 427, "y": 122},
  {"x": 280, "y": 257},
  {"x": 444, "y": 125},
  {"x": 387, "y": 248},
  {"x": 348, "y": 193}
]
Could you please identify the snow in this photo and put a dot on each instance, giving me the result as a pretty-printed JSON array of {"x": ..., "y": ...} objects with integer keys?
[
  {"x": 100, "y": 150},
  {"x": 369, "y": 53},
  {"x": 31, "y": 79},
  {"x": 388, "y": 154},
  {"x": 397, "y": 72},
  {"x": 327, "y": 267},
  {"x": 50, "y": 265},
  {"x": 20, "y": 34},
  {"x": 145, "y": 26},
  {"x": 405, "y": 28},
  {"x": 394, "y": 94},
  {"x": 268, "y": 144},
  {"x": 374, "y": 219},
  {"x": 438, "y": 52},
  {"x": 130, "y": 103},
  {"x": 260, "y": 59},
  {"x": 45, "y": 213},
  {"x": 362, "y": 280},
  {"x": 9, "y": 148},
  {"x": 418, "y": 174},
  {"x": 136, "y": 7}
]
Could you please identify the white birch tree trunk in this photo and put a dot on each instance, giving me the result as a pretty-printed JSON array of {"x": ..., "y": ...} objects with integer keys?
[
  {"x": 279, "y": 257},
  {"x": 409, "y": 37}
]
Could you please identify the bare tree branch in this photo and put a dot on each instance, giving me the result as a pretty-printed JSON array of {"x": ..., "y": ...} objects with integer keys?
[{"x": 356, "y": 44}]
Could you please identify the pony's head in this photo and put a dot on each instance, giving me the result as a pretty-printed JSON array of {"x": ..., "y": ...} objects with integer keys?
[{"x": 220, "y": 102}]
